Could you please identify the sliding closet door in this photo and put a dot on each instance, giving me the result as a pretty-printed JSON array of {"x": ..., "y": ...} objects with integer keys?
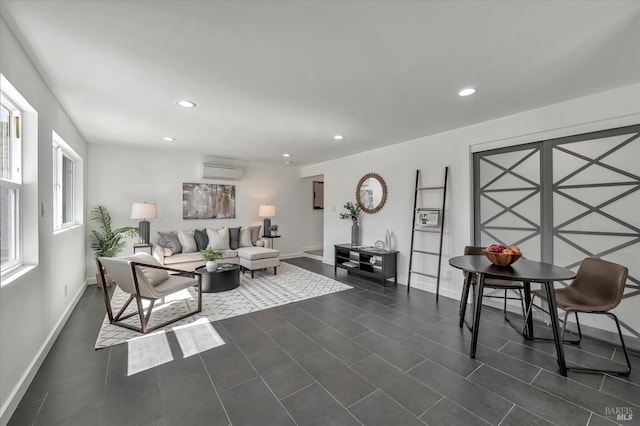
[{"x": 566, "y": 199}]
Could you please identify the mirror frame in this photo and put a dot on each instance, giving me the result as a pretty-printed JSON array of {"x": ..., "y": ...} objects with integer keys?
[{"x": 384, "y": 192}]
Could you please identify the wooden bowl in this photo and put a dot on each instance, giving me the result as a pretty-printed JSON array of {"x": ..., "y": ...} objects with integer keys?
[{"x": 500, "y": 259}]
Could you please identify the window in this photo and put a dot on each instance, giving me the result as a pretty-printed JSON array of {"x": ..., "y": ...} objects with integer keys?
[
  {"x": 10, "y": 184},
  {"x": 64, "y": 184}
]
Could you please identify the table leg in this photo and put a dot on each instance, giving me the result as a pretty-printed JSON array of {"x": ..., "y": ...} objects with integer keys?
[
  {"x": 476, "y": 315},
  {"x": 557, "y": 337},
  {"x": 465, "y": 298},
  {"x": 527, "y": 303}
]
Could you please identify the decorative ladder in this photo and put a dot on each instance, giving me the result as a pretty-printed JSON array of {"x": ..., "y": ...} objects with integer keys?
[{"x": 439, "y": 230}]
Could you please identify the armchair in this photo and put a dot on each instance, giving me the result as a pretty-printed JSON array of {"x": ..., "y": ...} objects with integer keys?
[{"x": 143, "y": 278}]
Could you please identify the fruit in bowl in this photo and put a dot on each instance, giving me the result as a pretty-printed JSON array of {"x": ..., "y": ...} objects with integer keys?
[{"x": 502, "y": 255}]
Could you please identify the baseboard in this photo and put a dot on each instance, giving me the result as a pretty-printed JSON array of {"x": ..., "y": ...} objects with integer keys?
[
  {"x": 20, "y": 389},
  {"x": 290, "y": 255},
  {"x": 312, "y": 248},
  {"x": 312, "y": 256}
]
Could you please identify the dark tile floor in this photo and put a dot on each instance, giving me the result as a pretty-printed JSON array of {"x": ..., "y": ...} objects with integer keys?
[{"x": 369, "y": 355}]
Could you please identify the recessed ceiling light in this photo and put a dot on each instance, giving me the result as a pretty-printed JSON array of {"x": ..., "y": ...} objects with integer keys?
[
  {"x": 468, "y": 91},
  {"x": 286, "y": 155},
  {"x": 168, "y": 139},
  {"x": 186, "y": 104},
  {"x": 338, "y": 137}
]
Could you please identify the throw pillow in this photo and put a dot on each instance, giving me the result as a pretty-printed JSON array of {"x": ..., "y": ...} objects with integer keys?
[
  {"x": 187, "y": 241},
  {"x": 218, "y": 239},
  {"x": 170, "y": 240},
  {"x": 245, "y": 237},
  {"x": 234, "y": 238},
  {"x": 167, "y": 251},
  {"x": 202, "y": 240},
  {"x": 255, "y": 234},
  {"x": 151, "y": 276}
]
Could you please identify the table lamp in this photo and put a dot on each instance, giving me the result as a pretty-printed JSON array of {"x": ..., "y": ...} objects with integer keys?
[
  {"x": 267, "y": 211},
  {"x": 144, "y": 211}
]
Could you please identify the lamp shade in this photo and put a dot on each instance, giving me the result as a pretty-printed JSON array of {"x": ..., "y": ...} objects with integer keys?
[
  {"x": 144, "y": 211},
  {"x": 267, "y": 210}
]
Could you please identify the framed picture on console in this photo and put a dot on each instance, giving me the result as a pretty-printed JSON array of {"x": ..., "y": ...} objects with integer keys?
[
  {"x": 208, "y": 201},
  {"x": 428, "y": 218}
]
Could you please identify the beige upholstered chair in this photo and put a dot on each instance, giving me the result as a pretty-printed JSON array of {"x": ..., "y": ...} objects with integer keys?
[
  {"x": 144, "y": 278},
  {"x": 597, "y": 289}
]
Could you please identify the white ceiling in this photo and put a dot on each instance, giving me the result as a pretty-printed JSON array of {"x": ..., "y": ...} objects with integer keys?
[{"x": 282, "y": 76}]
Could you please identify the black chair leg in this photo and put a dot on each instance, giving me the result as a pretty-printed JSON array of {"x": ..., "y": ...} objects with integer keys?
[
  {"x": 625, "y": 372},
  {"x": 547, "y": 339}
]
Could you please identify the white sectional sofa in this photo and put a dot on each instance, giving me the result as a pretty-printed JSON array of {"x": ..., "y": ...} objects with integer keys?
[{"x": 241, "y": 245}]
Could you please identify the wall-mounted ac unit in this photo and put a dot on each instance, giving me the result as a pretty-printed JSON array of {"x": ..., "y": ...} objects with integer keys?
[{"x": 210, "y": 171}]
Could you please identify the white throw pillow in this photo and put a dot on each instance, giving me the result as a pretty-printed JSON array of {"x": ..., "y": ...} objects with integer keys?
[
  {"x": 167, "y": 251},
  {"x": 152, "y": 276},
  {"x": 245, "y": 237},
  {"x": 188, "y": 241},
  {"x": 218, "y": 239}
]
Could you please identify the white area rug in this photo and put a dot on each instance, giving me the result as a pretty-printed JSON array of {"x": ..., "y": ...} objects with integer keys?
[{"x": 264, "y": 291}]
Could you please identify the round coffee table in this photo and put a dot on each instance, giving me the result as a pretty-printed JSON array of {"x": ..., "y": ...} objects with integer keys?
[{"x": 225, "y": 277}]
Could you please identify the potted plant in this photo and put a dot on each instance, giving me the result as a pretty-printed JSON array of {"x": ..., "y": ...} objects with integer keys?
[
  {"x": 353, "y": 214},
  {"x": 106, "y": 241},
  {"x": 274, "y": 230},
  {"x": 211, "y": 256}
]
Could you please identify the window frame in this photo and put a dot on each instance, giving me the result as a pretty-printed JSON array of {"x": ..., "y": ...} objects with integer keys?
[
  {"x": 14, "y": 182},
  {"x": 61, "y": 151}
]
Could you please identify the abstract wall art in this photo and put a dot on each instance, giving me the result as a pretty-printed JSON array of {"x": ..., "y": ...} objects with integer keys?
[{"x": 208, "y": 201}]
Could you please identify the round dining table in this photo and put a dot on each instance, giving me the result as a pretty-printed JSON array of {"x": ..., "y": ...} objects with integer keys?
[{"x": 525, "y": 271}]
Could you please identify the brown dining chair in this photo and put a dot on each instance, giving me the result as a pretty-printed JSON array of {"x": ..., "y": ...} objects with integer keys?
[
  {"x": 493, "y": 284},
  {"x": 597, "y": 289}
]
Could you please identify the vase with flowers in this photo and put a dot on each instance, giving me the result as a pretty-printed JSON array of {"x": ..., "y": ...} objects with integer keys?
[{"x": 353, "y": 214}]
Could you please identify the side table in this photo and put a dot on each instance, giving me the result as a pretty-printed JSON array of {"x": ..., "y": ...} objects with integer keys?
[
  {"x": 271, "y": 238},
  {"x": 143, "y": 246}
]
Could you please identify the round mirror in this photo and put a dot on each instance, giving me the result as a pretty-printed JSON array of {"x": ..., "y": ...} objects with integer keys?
[{"x": 371, "y": 193}]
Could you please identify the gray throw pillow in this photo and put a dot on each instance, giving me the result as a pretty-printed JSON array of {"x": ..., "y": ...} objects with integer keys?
[
  {"x": 234, "y": 238},
  {"x": 255, "y": 234},
  {"x": 202, "y": 240},
  {"x": 170, "y": 240}
]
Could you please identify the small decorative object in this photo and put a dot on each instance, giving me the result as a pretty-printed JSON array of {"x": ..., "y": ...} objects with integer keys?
[
  {"x": 372, "y": 260},
  {"x": 353, "y": 214},
  {"x": 211, "y": 256},
  {"x": 387, "y": 239},
  {"x": 379, "y": 245},
  {"x": 429, "y": 218},
  {"x": 274, "y": 230},
  {"x": 501, "y": 255}
]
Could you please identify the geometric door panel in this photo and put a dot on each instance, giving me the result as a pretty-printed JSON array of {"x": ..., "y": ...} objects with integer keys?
[
  {"x": 596, "y": 200},
  {"x": 507, "y": 198}
]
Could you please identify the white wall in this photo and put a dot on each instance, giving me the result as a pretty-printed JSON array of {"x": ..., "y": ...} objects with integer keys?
[
  {"x": 120, "y": 176},
  {"x": 397, "y": 164},
  {"x": 34, "y": 306}
]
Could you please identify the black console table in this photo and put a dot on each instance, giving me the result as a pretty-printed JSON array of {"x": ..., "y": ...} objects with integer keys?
[{"x": 367, "y": 261}]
